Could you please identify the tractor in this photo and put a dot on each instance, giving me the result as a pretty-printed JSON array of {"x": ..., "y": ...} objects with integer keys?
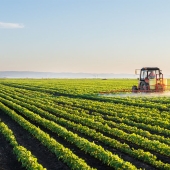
[{"x": 150, "y": 80}]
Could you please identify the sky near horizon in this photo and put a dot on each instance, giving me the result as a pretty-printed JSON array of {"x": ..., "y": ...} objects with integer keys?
[{"x": 90, "y": 36}]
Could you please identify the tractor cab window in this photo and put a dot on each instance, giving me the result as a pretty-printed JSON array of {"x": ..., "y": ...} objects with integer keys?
[
  {"x": 151, "y": 74},
  {"x": 143, "y": 74}
]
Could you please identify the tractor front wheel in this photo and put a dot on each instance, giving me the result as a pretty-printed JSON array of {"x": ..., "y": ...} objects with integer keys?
[{"x": 144, "y": 86}]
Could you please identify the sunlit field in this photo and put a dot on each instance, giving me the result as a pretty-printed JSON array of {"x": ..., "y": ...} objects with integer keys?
[{"x": 68, "y": 124}]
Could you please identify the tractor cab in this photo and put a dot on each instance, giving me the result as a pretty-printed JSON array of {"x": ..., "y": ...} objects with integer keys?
[
  {"x": 150, "y": 79},
  {"x": 150, "y": 73}
]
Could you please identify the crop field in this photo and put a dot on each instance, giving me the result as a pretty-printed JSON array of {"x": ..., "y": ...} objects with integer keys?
[{"x": 65, "y": 124}]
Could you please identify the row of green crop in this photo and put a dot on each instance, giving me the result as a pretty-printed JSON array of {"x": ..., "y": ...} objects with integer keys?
[
  {"x": 99, "y": 117},
  {"x": 135, "y": 102},
  {"x": 105, "y": 128},
  {"x": 112, "y": 116},
  {"x": 124, "y": 126},
  {"x": 127, "y": 101},
  {"x": 134, "y": 122},
  {"x": 148, "y": 114},
  {"x": 114, "y": 120},
  {"x": 133, "y": 113},
  {"x": 119, "y": 110},
  {"x": 137, "y": 139},
  {"x": 121, "y": 126},
  {"x": 161, "y": 99},
  {"x": 88, "y": 147},
  {"x": 139, "y": 154},
  {"x": 66, "y": 102},
  {"x": 23, "y": 155},
  {"x": 65, "y": 89},
  {"x": 65, "y": 154},
  {"x": 75, "y": 87}
]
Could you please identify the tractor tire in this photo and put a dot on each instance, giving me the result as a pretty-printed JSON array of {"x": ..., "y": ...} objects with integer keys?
[
  {"x": 134, "y": 89},
  {"x": 144, "y": 86}
]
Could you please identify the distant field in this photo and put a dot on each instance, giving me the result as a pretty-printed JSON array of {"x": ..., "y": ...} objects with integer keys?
[{"x": 65, "y": 124}]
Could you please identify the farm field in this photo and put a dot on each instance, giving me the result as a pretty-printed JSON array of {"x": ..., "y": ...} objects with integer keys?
[{"x": 65, "y": 124}]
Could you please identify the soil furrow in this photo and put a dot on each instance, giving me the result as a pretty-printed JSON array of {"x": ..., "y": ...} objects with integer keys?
[{"x": 44, "y": 156}]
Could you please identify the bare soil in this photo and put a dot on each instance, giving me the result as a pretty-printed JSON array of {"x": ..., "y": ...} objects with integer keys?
[{"x": 7, "y": 158}]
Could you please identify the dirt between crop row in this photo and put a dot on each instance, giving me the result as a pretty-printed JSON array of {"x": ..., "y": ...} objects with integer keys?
[
  {"x": 161, "y": 157},
  {"x": 7, "y": 158},
  {"x": 90, "y": 160},
  {"x": 43, "y": 155}
]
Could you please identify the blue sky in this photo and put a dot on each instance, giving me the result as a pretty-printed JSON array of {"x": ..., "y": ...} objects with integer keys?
[{"x": 91, "y": 36}]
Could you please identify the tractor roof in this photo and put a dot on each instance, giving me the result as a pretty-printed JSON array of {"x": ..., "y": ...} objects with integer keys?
[{"x": 150, "y": 68}]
